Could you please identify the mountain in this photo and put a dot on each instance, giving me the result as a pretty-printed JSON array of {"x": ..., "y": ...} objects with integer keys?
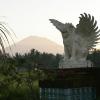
[{"x": 38, "y": 43}]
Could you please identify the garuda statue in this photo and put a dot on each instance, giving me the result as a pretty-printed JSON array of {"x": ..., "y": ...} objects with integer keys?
[{"x": 78, "y": 40}]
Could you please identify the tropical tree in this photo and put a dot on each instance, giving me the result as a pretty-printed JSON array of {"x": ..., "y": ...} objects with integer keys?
[
  {"x": 5, "y": 34},
  {"x": 6, "y": 64}
]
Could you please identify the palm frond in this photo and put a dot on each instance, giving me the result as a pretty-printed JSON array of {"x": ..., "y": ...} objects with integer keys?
[{"x": 5, "y": 34}]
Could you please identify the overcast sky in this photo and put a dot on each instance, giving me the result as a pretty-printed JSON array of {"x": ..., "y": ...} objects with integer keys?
[{"x": 31, "y": 17}]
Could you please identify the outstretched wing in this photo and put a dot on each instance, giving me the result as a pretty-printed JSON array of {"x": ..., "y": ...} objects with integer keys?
[
  {"x": 88, "y": 29},
  {"x": 60, "y": 26}
]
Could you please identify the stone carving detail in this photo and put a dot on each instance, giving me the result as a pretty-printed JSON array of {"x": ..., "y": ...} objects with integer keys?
[{"x": 78, "y": 40}]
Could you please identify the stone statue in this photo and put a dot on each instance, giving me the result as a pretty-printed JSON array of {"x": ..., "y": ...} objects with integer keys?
[{"x": 78, "y": 40}]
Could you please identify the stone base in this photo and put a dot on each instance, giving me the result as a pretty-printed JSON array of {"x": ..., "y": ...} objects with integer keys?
[{"x": 74, "y": 63}]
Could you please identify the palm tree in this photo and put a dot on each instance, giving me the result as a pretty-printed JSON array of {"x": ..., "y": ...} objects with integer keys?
[{"x": 5, "y": 33}]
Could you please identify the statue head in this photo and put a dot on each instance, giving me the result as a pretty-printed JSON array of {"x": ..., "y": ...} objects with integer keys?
[{"x": 66, "y": 29}]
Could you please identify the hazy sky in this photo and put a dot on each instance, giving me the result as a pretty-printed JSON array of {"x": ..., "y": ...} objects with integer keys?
[{"x": 31, "y": 17}]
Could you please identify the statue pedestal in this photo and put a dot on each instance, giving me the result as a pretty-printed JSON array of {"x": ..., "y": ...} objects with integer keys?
[{"x": 74, "y": 63}]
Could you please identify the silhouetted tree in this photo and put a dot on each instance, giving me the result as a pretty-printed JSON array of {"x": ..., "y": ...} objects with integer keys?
[{"x": 95, "y": 58}]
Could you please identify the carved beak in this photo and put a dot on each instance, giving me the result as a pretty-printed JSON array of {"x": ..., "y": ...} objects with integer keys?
[{"x": 60, "y": 26}]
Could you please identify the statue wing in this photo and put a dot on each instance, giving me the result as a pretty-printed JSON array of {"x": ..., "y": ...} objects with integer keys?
[
  {"x": 60, "y": 26},
  {"x": 88, "y": 29}
]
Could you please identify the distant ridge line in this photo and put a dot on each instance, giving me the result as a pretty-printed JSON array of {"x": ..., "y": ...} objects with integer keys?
[{"x": 41, "y": 44}]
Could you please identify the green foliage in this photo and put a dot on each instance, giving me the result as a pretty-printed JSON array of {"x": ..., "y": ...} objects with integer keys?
[
  {"x": 36, "y": 59},
  {"x": 19, "y": 86},
  {"x": 19, "y": 75},
  {"x": 95, "y": 58}
]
